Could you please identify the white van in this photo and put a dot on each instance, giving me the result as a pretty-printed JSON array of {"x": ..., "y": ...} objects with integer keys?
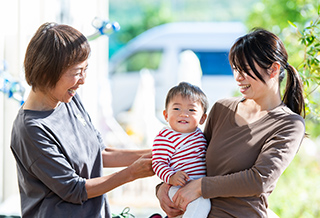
[{"x": 159, "y": 50}]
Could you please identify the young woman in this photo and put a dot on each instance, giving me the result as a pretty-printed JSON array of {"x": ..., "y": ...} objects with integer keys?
[{"x": 251, "y": 139}]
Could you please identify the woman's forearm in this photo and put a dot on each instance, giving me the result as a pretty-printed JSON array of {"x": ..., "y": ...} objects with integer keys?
[
  {"x": 139, "y": 169},
  {"x": 98, "y": 186},
  {"x": 113, "y": 157}
]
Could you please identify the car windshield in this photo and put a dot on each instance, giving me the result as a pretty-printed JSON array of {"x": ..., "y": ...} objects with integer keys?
[{"x": 214, "y": 62}]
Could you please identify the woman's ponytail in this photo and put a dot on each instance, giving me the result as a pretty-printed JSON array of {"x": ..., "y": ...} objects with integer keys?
[{"x": 293, "y": 96}]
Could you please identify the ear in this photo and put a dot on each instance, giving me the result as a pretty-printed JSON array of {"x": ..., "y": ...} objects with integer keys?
[
  {"x": 203, "y": 118},
  {"x": 165, "y": 115},
  {"x": 274, "y": 69}
]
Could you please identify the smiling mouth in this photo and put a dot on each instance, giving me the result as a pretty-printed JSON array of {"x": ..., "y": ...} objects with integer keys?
[
  {"x": 182, "y": 121},
  {"x": 72, "y": 91},
  {"x": 245, "y": 86}
]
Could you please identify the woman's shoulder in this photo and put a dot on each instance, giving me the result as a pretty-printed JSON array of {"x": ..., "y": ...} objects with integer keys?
[
  {"x": 230, "y": 102},
  {"x": 283, "y": 117},
  {"x": 224, "y": 107},
  {"x": 31, "y": 121},
  {"x": 286, "y": 114},
  {"x": 27, "y": 119},
  {"x": 230, "y": 99}
]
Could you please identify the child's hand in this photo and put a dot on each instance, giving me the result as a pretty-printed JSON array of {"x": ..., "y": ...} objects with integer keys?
[{"x": 180, "y": 178}]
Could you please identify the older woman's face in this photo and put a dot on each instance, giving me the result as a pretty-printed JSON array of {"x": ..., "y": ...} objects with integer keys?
[{"x": 69, "y": 82}]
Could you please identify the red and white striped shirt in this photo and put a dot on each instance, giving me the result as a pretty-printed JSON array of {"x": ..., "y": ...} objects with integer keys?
[{"x": 173, "y": 151}]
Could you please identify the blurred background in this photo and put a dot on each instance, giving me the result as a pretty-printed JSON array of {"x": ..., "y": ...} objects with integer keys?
[{"x": 140, "y": 49}]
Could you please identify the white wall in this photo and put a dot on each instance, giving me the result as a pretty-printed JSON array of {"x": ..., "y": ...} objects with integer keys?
[{"x": 19, "y": 19}]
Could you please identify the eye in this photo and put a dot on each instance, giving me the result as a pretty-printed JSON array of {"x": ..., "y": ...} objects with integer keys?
[
  {"x": 81, "y": 72},
  {"x": 175, "y": 109},
  {"x": 77, "y": 73},
  {"x": 192, "y": 110}
]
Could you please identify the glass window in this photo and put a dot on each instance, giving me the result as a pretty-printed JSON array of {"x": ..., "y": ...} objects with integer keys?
[
  {"x": 140, "y": 60},
  {"x": 214, "y": 62}
]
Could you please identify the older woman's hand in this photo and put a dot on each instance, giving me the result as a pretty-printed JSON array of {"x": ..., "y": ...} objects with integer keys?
[
  {"x": 166, "y": 204},
  {"x": 187, "y": 193},
  {"x": 142, "y": 167}
]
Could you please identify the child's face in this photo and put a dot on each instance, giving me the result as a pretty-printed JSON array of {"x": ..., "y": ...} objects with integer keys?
[{"x": 184, "y": 115}]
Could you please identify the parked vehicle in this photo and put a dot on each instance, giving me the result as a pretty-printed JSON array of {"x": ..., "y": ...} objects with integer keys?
[{"x": 159, "y": 50}]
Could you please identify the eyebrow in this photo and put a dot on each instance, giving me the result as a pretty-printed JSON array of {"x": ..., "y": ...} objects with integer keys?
[
  {"x": 80, "y": 67},
  {"x": 175, "y": 104},
  {"x": 193, "y": 104}
]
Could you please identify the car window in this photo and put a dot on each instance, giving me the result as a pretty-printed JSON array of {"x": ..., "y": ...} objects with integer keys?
[
  {"x": 139, "y": 61},
  {"x": 214, "y": 63}
]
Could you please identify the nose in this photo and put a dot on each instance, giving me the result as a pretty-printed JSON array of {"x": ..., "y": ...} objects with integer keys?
[
  {"x": 82, "y": 79},
  {"x": 184, "y": 113},
  {"x": 238, "y": 76}
]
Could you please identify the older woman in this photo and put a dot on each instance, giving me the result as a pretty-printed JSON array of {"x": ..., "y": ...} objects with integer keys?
[
  {"x": 252, "y": 138},
  {"x": 59, "y": 153}
]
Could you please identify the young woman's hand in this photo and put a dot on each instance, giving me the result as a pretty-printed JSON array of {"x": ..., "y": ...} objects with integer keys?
[
  {"x": 187, "y": 193},
  {"x": 166, "y": 204}
]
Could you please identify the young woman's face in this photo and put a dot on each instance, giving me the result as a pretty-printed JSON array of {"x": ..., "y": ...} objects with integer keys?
[
  {"x": 68, "y": 84},
  {"x": 253, "y": 88},
  {"x": 184, "y": 115}
]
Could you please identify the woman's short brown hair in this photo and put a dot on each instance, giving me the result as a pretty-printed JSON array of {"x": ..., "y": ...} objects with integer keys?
[{"x": 51, "y": 51}]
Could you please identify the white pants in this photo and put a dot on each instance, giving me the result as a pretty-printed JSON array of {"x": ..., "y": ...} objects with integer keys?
[{"x": 199, "y": 208}]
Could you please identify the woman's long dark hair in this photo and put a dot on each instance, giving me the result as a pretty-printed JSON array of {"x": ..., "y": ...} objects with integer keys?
[{"x": 264, "y": 48}]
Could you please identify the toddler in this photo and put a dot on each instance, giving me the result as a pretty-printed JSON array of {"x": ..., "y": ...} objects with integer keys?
[{"x": 178, "y": 153}]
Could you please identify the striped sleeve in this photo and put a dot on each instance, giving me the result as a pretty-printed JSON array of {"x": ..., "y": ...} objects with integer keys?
[{"x": 162, "y": 152}]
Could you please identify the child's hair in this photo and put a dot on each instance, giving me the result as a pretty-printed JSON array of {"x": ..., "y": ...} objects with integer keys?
[{"x": 187, "y": 90}]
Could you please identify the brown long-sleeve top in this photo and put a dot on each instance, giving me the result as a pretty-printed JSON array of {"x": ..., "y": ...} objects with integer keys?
[{"x": 245, "y": 162}]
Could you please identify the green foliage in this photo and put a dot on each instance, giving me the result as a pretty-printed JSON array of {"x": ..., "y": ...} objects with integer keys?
[
  {"x": 309, "y": 69},
  {"x": 211, "y": 10},
  {"x": 151, "y": 16},
  {"x": 275, "y": 14},
  {"x": 138, "y": 16}
]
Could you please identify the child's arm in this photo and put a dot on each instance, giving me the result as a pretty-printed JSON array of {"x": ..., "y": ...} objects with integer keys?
[
  {"x": 162, "y": 151},
  {"x": 180, "y": 178}
]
